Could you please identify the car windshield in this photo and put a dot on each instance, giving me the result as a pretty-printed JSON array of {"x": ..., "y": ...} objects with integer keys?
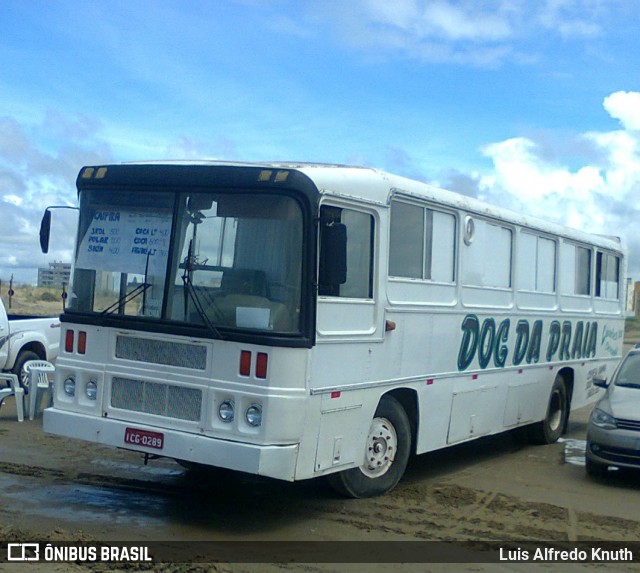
[
  {"x": 222, "y": 260},
  {"x": 629, "y": 374}
]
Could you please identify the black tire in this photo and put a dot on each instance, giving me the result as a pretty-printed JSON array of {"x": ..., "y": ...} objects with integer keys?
[
  {"x": 595, "y": 469},
  {"x": 552, "y": 427},
  {"x": 18, "y": 367},
  {"x": 385, "y": 457}
]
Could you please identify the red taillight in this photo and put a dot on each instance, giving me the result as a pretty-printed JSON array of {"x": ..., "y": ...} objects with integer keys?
[
  {"x": 262, "y": 361},
  {"x": 68, "y": 341},
  {"x": 245, "y": 363},
  {"x": 82, "y": 342}
]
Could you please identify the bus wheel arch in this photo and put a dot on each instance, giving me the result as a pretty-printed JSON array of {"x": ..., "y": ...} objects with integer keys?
[
  {"x": 388, "y": 444},
  {"x": 408, "y": 399}
]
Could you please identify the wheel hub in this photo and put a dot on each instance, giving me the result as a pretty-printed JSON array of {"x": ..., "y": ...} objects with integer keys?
[
  {"x": 555, "y": 411},
  {"x": 382, "y": 444}
]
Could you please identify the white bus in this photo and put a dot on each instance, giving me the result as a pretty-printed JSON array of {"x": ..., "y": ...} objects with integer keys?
[{"x": 299, "y": 320}]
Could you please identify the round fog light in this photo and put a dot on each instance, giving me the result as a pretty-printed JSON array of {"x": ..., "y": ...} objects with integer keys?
[
  {"x": 70, "y": 386},
  {"x": 253, "y": 415},
  {"x": 91, "y": 389},
  {"x": 225, "y": 411}
]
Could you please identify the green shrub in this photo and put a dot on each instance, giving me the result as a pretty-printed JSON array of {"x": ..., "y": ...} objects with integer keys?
[{"x": 47, "y": 296}]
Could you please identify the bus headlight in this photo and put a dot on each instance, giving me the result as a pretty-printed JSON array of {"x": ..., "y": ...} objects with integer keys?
[
  {"x": 253, "y": 415},
  {"x": 70, "y": 386},
  {"x": 91, "y": 389},
  {"x": 226, "y": 411}
]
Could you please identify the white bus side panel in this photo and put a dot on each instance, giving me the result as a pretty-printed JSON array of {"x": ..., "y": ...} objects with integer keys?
[{"x": 506, "y": 383}]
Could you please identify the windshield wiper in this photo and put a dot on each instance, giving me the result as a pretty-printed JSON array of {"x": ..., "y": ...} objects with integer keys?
[
  {"x": 197, "y": 303},
  {"x": 126, "y": 299},
  {"x": 190, "y": 293}
]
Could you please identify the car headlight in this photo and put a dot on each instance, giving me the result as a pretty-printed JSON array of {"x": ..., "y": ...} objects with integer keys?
[
  {"x": 253, "y": 415},
  {"x": 91, "y": 389},
  {"x": 603, "y": 420},
  {"x": 226, "y": 411},
  {"x": 70, "y": 386}
]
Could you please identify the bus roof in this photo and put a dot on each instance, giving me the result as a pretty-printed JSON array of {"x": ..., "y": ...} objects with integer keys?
[{"x": 373, "y": 185}]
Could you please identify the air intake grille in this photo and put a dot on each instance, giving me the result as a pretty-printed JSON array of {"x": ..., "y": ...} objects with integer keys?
[
  {"x": 158, "y": 399},
  {"x": 628, "y": 424},
  {"x": 161, "y": 352}
]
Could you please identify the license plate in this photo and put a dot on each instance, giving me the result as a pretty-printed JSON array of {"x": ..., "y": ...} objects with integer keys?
[{"x": 144, "y": 438}]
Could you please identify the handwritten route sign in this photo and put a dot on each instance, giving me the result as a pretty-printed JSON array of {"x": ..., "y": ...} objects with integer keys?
[{"x": 122, "y": 241}]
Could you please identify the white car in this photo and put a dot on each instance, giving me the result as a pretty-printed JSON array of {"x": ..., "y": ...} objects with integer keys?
[
  {"x": 26, "y": 338},
  {"x": 613, "y": 432}
]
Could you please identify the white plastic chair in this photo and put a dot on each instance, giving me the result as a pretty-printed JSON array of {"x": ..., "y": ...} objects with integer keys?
[
  {"x": 14, "y": 389},
  {"x": 38, "y": 372}
]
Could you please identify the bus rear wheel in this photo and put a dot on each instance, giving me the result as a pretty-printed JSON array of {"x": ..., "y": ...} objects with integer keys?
[
  {"x": 385, "y": 457},
  {"x": 552, "y": 427}
]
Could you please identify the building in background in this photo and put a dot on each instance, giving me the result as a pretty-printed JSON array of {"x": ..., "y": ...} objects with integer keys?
[
  {"x": 636, "y": 299},
  {"x": 57, "y": 275}
]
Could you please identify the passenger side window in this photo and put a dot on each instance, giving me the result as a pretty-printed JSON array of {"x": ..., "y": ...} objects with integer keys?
[
  {"x": 346, "y": 253},
  {"x": 583, "y": 271},
  {"x": 421, "y": 243},
  {"x": 406, "y": 246},
  {"x": 536, "y": 263},
  {"x": 607, "y": 276},
  {"x": 487, "y": 254},
  {"x": 575, "y": 270}
]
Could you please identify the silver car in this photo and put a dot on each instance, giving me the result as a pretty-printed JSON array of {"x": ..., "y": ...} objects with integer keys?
[{"x": 613, "y": 432}]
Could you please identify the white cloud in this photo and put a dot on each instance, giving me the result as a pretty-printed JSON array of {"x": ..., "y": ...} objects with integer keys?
[
  {"x": 13, "y": 199},
  {"x": 524, "y": 172},
  {"x": 439, "y": 18},
  {"x": 485, "y": 34},
  {"x": 599, "y": 196},
  {"x": 462, "y": 23},
  {"x": 624, "y": 106},
  {"x": 571, "y": 18},
  {"x": 39, "y": 162}
]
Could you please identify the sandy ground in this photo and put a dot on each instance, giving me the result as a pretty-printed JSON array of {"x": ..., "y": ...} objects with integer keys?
[{"x": 493, "y": 490}]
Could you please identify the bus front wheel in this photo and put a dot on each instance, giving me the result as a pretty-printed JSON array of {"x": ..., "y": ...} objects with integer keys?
[
  {"x": 385, "y": 457},
  {"x": 551, "y": 428}
]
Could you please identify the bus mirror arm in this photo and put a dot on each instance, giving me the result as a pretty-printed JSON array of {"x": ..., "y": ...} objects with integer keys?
[{"x": 45, "y": 226}]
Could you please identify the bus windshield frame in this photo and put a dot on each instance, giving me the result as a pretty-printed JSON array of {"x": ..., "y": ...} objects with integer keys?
[{"x": 227, "y": 263}]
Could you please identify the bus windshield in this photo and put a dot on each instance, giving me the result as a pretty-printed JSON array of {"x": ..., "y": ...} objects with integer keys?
[{"x": 225, "y": 260}]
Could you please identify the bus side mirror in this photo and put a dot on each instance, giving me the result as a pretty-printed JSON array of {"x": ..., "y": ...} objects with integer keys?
[
  {"x": 333, "y": 255},
  {"x": 45, "y": 231}
]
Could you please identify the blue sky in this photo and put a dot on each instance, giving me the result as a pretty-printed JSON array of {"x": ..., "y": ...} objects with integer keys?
[{"x": 533, "y": 105}]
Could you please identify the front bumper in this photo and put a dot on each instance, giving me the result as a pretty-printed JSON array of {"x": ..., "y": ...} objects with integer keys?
[
  {"x": 614, "y": 447},
  {"x": 272, "y": 461}
]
